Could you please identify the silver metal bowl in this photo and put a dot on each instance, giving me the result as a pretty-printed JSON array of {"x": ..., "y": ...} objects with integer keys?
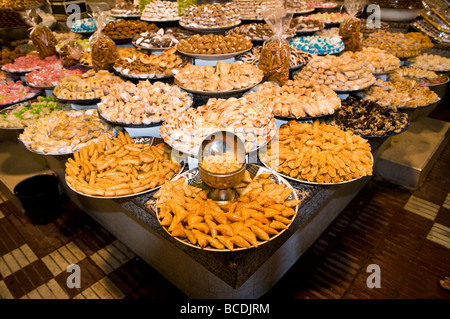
[{"x": 222, "y": 184}]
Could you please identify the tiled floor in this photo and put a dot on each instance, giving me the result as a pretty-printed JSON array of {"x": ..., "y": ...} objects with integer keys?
[{"x": 407, "y": 234}]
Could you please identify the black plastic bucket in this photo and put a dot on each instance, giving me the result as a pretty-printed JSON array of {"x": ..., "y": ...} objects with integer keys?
[{"x": 39, "y": 196}]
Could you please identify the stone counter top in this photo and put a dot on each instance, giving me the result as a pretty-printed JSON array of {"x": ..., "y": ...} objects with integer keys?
[{"x": 235, "y": 268}]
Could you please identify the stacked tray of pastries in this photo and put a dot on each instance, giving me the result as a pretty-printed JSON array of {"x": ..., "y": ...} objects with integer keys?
[
  {"x": 143, "y": 103},
  {"x": 380, "y": 61},
  {"x": 400, "y": 93},
  {"x": 85, "y": 87},
  {"x": 340, "y": 73},
  {"x": 150, "y": 66},
  {"x": 296, "y": 99},
  {"x": 120, "y": 167},
  {"x": 210, "y": 16},
  {"x": 431, "y": 62},
  {"x": 21, "y": 115},
  {"x": 225, "y": 77},
  {"x": 63, "y": 132},
  {"x": 318, "y": 153},
  {"x": 214, "y": 44},
  {"x": 297, "y": 57},
  {"x": 266, "y": 207},
  {"x": 252, "y": 122}
]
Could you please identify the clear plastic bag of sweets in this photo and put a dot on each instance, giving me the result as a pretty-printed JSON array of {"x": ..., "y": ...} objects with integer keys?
[
  {"x": 275, "y": 52},
  {"x": 104, "y": 53}
]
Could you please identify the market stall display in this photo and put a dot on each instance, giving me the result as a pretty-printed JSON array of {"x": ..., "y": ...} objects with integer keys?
[
  {"x": 297, "y": 58},
  {"x": 400, "y": 93},
  {"x": 318, "y": 153},
  {"x": 296, "y": 100},
  {"x": 63, "y": 132},
  {"x": 21, "y": 115},
  {"x": 225, "y": 77},
  {"x": 143, "y": 104},
  {"x": 318, "y": 44},
  {"x": 254, "y": 124},
  {"x": 14, "y": 92},
  {"x": 266, "y": 207},
  {"x": 88, "y": 87},
  {"x": 369, "y": 119},
  {"x": 120, "y": 167},
  {"x": 210, "y": 17},
  {"x": 340, "y": 73},
  {"x": 160, "y": 11}
]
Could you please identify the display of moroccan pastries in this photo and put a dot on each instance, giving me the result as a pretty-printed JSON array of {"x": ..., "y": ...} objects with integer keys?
[
  {"x": 431, "y": 62},
  {"x": 340, "y": 73},
  {"x": 261, "y": 212},
  {"x": 296, "y": 99},
  {"x": 400, "y": 93},
  {"x": 253, "y": 123},
  {"x": 222, "y": 78},
  {"x": 119, "y": 167},
  {"x": 143, "y": 103},
  {"x": 379, "y": 60},
  {"x": 64, "y": 132},
  {"x": 253, "y": 9},
  {"x": 319, "y": 153},
  {"x": 86, "y": 86}
]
